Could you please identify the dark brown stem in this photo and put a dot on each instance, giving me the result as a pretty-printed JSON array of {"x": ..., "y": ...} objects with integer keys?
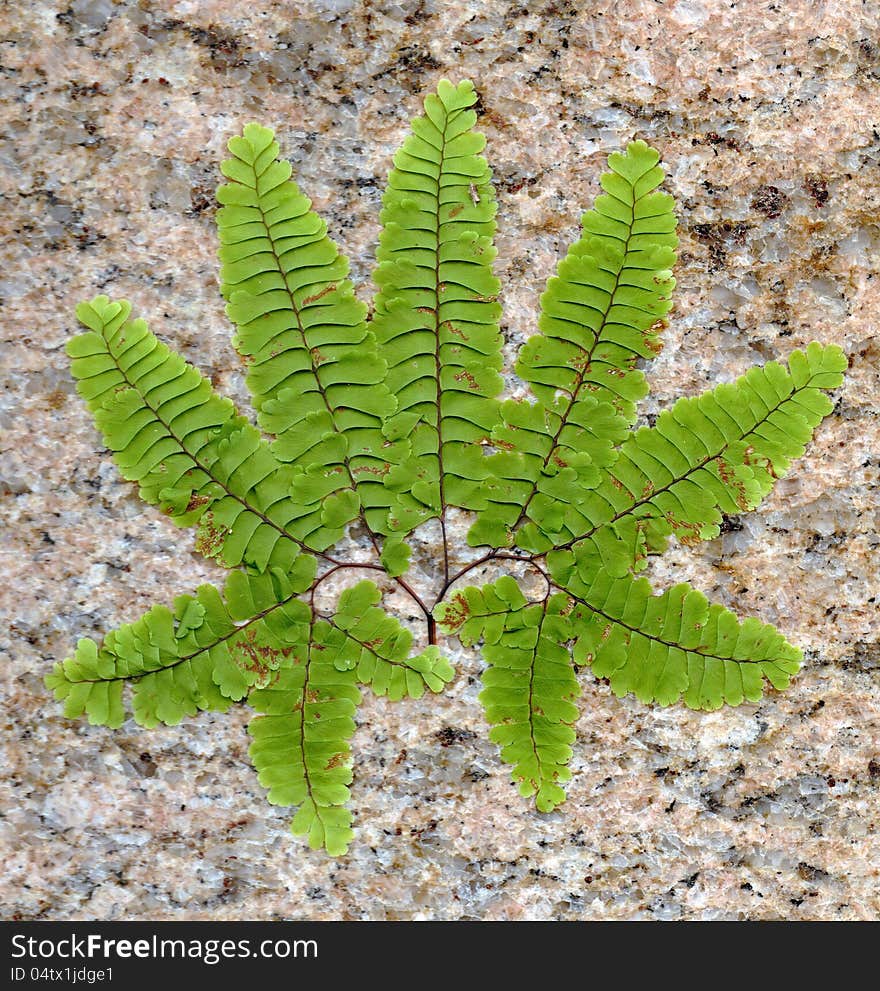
[
  {"x": 450, "y": 580},
  {"x": 445, "y": 546},
  {"x": 343, "y": 566},
  {"x": 415, "y": 596}
]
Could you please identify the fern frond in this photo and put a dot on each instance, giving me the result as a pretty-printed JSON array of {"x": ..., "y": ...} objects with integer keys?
[
  {"x": 186, "y": 447},
  {"x": 436, "y": 311},
  {"x": 719, "y": 452},
  {"x": 208, "y": 651},
  {"x": 313, "y": 369},
  {"x": 300, "y": 742},
  {"x": 602, "y": 312},
  {"x": 377, "y": 647},
  {"x": 529, "y": 685},
  {"x": 674, "y": 645}
]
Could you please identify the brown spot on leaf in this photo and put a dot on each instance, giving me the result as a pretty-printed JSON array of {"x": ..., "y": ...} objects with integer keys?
[
  {"x": 728, "y": 476},
  {"x": 688, "y": 533},
  {"x": 210, "y": 537},
  {"x": 272, "y": 678},
  {"x": 196, "y": 501},
  {"x": 319, "y": 295},
  {"x": 651, "y": 336},
  {"x": 456, "y": 612},
  {"x": 465, "y": 376},
  {"x": 762, "y": 462},
  {"x": 259, "y": 659},
  {"x": 369, "y": 470}
]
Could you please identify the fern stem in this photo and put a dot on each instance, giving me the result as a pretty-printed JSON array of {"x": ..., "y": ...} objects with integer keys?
[
  {"x": 402, "y": 583},
  {"x": 416, "y": 597},
  {"x": 343, "y": 565},
  {"x": 302, "y": 722},
  {"x": 534, "y": 742},
  {"x": 486, "y": 559}
]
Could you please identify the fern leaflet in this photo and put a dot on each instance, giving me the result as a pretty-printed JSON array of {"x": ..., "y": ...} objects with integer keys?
[
  {"x": 600, "y": 315},
  {"x": 313, "y": 369},
  {"x": 300, "y": 741},
  {"x": 529, "y": 683},
  {"x": 206, "y": 652},
  {"x": 436, "y": 319}
]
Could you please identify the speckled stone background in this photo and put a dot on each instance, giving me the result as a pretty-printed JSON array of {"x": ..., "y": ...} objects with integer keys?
[{"x": 767, "y": 115}]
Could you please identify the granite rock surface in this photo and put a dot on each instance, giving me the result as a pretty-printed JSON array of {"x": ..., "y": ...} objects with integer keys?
[{"x": 768, "y": 119}]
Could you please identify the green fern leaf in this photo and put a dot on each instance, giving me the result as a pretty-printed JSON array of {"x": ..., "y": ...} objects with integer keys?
[
  {"x": 388, "y": 424},
  {"x": 665, "y": 647},
  {"x": 313, "y": 369},
  {"x": 186, "y": 447},
  {"x": 208, "y": 651},
  {"x": 529, "y": 685},
  {"x": 300, "y": 742},
  {"x": 600, "y": 315},
  {"x": 719, "y": 452},
  {"x": 436, "y": 311},
  {"x": 378, "y": 648}
]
